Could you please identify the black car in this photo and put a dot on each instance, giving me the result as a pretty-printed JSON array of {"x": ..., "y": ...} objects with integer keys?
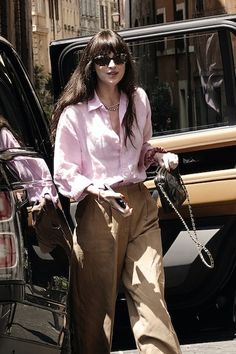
[
  {"x": 188, "y": 71},
  {"x": 34, "y": 277}
]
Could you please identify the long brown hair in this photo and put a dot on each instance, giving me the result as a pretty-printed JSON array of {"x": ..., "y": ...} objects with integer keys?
[{"x": 83, "y": 81}]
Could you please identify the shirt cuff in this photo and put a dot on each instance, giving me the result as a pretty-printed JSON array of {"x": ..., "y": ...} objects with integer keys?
[
  {"x": 149, "y": 156},
  {"x": 82, "y": 183}
]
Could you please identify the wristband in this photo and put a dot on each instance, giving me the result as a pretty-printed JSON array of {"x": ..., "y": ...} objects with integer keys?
[{"x": 149, "y": 156}]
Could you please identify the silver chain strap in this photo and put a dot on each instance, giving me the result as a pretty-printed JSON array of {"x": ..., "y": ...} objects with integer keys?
[{"x": 193, "y": 235}]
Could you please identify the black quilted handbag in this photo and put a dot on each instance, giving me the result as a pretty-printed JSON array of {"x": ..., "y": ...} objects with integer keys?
[
  {"x": 171, "y": 184},
  {"x": 172, "y": 193}
]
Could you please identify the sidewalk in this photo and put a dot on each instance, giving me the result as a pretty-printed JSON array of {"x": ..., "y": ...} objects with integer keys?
[{"x": 224, "y": 347}]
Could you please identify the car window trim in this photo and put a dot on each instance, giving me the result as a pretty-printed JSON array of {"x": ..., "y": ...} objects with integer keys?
[{"x": 154, "y": 31}]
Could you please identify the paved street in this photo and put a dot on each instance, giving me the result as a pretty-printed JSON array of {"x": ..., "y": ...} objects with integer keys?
[{"x": 226, "y": 347}]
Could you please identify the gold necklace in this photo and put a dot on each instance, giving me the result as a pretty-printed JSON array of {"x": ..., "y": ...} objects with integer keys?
[{"x": 112, "y": 108}]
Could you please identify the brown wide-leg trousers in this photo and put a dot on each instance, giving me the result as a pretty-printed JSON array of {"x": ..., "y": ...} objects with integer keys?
[{"x": 111, "y": 249}]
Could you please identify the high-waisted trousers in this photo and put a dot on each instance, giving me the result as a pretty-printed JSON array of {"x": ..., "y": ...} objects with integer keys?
[{"x": 112, "y": 249}]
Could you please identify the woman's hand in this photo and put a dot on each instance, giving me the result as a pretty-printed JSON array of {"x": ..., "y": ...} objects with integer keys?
[
  {"x": 114, "y": 198},
  {"x": 168, "y": 160},
  {"x": 111, "y": 197}
]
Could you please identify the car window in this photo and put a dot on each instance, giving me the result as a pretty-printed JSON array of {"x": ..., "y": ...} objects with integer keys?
[
  {"x": 188, "y": 78},
  {"x": 19, "y": 105},
  {"x": 184, "y": 80},
  {"x": 10, "y": 102}
]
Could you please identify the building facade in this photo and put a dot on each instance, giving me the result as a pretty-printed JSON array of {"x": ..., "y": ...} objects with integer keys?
[
  {"x": 144, "y": 12},
  {"x": 90, "y": 16},
  {"x": 51, "y": 20},
  {"x": 15, "y": 26},
  {"x": 58, "y": 19}
]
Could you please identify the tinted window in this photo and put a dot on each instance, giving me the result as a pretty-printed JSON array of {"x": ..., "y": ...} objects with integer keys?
[
  {"x": 19, "y": 105},
  {"x": 189, "y": 78},
  {"x": 12, "y": 105},
  {"x": 185, "y": 82}
]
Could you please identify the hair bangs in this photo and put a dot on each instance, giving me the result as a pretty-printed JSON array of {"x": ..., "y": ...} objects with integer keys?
[{"x": 106, "y": 43}]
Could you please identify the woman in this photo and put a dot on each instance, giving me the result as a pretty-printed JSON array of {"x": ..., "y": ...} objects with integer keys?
[{"x": 103, "y": 124}]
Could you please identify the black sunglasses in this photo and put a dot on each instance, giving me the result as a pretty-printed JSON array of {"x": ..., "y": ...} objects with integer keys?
[{"x": 103, "y": 60}]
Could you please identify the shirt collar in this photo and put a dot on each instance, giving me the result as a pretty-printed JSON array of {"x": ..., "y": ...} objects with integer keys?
[{"x": 94, "y": 103}]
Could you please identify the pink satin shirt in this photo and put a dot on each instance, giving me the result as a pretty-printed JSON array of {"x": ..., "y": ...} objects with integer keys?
[{"x": 88, "y": 151}]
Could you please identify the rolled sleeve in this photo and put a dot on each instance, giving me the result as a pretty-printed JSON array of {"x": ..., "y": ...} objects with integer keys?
[{"x": 68, "y": 160}]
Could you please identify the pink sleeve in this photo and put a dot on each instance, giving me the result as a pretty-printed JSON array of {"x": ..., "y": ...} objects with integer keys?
[
  {"x": 7, "y": 139},
  {"x": 68, "y": 160}
]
